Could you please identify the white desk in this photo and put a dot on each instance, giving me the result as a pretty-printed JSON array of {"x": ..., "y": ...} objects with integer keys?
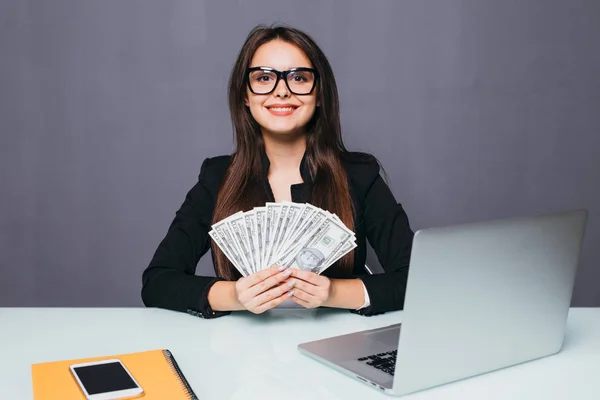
[{"x": 245, "y": 356}]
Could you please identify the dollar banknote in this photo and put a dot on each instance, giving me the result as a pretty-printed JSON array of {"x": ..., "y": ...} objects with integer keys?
[{"x": 296, "y": 235}]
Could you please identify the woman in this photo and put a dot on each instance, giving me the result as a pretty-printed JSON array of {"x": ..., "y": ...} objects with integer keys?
[{"x": 284, "y": 105}]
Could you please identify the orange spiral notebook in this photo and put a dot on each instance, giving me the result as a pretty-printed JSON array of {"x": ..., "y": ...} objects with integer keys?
[{"x": 156, "y": 371}]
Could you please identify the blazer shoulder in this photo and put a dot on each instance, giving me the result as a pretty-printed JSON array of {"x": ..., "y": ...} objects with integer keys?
[
  {"x": 362, "y": 168},
  {"x": 213, "y": 169}
]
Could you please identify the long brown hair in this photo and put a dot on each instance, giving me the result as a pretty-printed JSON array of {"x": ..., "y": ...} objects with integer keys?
[{"x": 243, "y": 187}]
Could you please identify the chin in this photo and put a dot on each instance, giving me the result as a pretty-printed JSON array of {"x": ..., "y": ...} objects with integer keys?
[
  {"x": 278, "y": 131},
  {"x": 281, "y": 129}
]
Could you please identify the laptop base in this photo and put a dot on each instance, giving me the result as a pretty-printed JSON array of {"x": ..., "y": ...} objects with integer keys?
[{"x": 348, "y": 353}]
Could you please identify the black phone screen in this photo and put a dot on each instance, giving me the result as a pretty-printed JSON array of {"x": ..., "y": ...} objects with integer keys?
[{"x": 103, "y": 378}]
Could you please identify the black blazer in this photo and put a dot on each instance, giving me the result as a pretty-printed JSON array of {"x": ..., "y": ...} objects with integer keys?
[{"x": 169, "y": 281}]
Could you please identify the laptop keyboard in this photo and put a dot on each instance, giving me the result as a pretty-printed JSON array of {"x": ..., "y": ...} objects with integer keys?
[{"x": 382, "y": 361}]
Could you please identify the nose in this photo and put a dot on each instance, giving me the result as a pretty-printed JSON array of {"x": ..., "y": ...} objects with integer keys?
[{"x": 281, "y": 90}]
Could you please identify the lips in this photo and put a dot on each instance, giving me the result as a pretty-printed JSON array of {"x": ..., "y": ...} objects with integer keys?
[{"x": 281, "y": 109}]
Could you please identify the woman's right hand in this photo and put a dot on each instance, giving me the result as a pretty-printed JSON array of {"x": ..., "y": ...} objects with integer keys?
[{"x": 264, "y": 290}]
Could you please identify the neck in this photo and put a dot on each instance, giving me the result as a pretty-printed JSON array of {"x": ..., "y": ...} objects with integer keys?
[{"x": 286, "y": 153}]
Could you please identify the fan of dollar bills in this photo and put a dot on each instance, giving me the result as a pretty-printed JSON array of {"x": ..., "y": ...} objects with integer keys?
[{"x": 296, "y": 235}]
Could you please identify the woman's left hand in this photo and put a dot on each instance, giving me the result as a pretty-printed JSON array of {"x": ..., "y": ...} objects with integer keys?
[{"x": 310, "y": 290}]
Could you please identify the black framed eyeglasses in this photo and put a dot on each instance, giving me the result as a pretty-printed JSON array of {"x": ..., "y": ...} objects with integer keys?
[{"x": 263, "y": 80}]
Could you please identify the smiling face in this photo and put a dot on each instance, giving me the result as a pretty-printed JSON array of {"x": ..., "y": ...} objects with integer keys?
[{"x": 281, "y": 112}]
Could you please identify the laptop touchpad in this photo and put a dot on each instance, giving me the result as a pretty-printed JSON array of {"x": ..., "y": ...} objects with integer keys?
[{"x": 387, "y": 336}]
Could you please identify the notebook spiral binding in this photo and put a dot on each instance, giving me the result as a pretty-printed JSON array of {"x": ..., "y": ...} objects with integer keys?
[{"x": 175, "y": 368}]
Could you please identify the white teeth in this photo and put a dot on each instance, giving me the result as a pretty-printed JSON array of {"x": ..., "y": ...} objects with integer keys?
[{"x": 281, "y": 108}]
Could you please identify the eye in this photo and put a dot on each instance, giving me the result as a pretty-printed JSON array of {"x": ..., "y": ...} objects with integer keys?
[
  {"x": 264, "y": 78},
  {"x": 300, "y": 77}
]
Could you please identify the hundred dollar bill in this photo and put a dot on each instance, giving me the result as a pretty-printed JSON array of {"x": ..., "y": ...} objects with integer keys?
[
  {"x": 250, "y": 222},
  {"x": 259, "y": 214},
  {"x": 268, "y": 227},
  {"x": 340, "y": 253},
  {"x": 322, "y": 246},
  {"x": 310, "y": 228},
  {"x": 304, "y": 214},
  {"x": 228, "y": 250},
  {"x": 237, "y": 226},
  {"x": 281, "y": 211},
  {"x": 341, "y": 222},
  {"x": 273, "y": 212},
  {"x": 222, "y": 229},
  {"x": 289, "y": 218},
  {"x": 302, "y": 234}
]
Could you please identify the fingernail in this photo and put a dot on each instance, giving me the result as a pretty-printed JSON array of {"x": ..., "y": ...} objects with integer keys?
[
  {"x": 282, "y": 268},
  {"x": 288, "y": 272},
  {"x": 290, "y": 294},
  {"x": 292, "y": 283}
]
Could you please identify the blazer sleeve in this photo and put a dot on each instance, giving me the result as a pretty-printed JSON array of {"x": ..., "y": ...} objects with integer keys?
[
  {"x": 389, "y": 233},
  {"x": 169, "y": 281}
]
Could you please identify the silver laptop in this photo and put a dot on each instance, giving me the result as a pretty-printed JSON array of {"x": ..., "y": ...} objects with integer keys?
[{"x": 480, "y": 297}]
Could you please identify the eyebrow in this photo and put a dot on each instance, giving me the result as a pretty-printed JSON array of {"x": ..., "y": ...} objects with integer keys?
[{"x": 279, "y": 69}]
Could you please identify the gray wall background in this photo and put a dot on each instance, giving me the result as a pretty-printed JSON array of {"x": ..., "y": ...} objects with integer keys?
[{"x": 477, "y": 109}]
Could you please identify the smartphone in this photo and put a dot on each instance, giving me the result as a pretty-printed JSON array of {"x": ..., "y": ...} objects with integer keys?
[{"x": 106, "y": 380}]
